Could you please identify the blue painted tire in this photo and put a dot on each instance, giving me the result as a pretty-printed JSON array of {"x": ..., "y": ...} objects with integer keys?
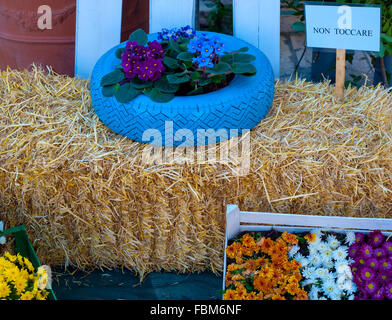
[{"x": 241, "y": 105}]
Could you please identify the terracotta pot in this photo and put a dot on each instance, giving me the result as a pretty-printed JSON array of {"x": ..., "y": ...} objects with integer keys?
[{"x": 22, "y": 42}]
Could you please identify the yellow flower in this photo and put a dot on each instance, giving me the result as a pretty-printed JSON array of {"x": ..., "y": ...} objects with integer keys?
[
  {"x": 27, "y": 296},
  {"x": 4, "y": 290},
  {"x": 28, "y": 264},
  {"x": 20, "y": 285},
  {"x": 11, "y": 273}
]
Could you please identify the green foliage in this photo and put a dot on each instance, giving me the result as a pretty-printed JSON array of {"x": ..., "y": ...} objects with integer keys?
[
  {"x": 139, "y": 36},
  {"x": 220, "y": 17},
  {"x": 181, "y": 73}
]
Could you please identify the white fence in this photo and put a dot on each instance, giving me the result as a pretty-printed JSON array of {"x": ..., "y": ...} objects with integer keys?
[{"x": 98, "y": 26}]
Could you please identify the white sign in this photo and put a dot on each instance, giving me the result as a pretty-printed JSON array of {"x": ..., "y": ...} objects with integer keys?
[{"x": 343, "y": 27}]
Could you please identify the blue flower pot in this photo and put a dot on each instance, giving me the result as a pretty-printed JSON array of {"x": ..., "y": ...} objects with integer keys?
[{"x": 189, "y": 120}]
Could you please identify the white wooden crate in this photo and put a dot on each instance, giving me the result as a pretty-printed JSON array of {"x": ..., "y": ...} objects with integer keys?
[{"x": 239, "y": 221}]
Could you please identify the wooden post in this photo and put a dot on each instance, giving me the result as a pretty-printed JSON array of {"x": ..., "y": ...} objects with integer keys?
[{"x": 340, "y": 73}]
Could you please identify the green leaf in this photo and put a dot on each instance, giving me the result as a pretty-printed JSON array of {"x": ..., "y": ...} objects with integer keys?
[
  {"x": 140, "y": 84},
  {"x": 205, "y": 82},
  {"x": 119, "y": 52},
  {"x": 110, "y": 91},
  {"x": 163, "y": 85},
  {"x": 158, "y": 96},
  {"x": 243, "y": 49},
  {"x": 218, "y": 78},
  {"x": 247, "y": 68},
  {"x": 140, "y": 37},
  {"x": 174, "y": 45},
  {"x": 112, "y": 78},
  {"x": 171, "y": 62},
  {"x": 228, "y": 58},
  {"x": 195, "y": 75},
  {"x": 298, "y": 26},
  {"x": 177, "y": 78},
  {"x": 386, "y": 38},
  {"x": 195, "y": 91},
  {"x": 220, "y": 68},
  {"x": 243, "y": 58},
  {"x": 126, "y": 93},
  {"x": 186, "y": 56}
]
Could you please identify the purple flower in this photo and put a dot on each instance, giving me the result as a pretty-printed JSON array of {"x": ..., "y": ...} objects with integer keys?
[
  {"x": 354, "y": 267},
  {"x": 387, "y": 290},
  {"x": 387, "y": 245},
  {"x": 385, "y": 264},
  {"x": 376, "y": 238},
  {"x": 372, "y": 263},
  {"x": 366, "y": 250},
  {"x": 359, "y": 237},
  {"x": 367, "y": 273},
  {"x": 378, "y": 295},
  {"x": 353, "y": 250},
  {"x": 371, "y": 287},
  {"x": 383, "y": 277},
  {"x": 379, "y": 252},
  {"x": 361, "y": 261}
]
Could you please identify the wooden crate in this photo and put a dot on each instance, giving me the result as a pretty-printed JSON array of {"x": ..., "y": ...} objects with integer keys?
[{"x": 239, "y": 221}]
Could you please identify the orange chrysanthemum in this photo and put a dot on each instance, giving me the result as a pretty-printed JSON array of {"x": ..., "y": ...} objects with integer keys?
[
  {"x": 248, "y": 241},
  {"x": 311, "y": 237},
  {"x": 289, "y": 238},
  {"x": 230, "y": 295},
  {"x": 278, "y": 297}
]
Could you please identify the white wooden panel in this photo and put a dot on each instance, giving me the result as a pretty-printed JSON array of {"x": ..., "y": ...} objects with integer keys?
[
  {"x": 258, "y": 22},
  {"x": 171, "y": 13},
  {"x": 98, "y": 29},
  {"x": 315, "y": 221}
]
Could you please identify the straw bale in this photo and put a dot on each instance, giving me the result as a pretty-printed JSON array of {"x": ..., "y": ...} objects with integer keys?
[{"x": 89, "y": 200}]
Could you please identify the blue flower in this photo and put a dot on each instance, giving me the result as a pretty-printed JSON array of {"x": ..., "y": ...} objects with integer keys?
[{"x": 203, "y": 62}]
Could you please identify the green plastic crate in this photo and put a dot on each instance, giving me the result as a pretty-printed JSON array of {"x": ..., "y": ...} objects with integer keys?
[{"x": 24, "y": 248}]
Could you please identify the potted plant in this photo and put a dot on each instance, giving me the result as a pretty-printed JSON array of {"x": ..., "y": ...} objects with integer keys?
[
  {"x": 196, "y": 80},
  {"x": 22, "y": 277}
]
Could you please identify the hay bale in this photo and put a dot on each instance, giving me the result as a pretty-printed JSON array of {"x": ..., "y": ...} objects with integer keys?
[{"x": 89, "y": 200}]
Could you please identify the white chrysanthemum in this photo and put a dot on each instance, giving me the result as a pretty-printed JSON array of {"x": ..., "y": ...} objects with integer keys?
[
  {"x": 351, "y": 297},
  {"x": 350, "y": 287},
  {"x": 328, "y": 263},
  {"x": 309, "y": 273},
  {"x": 308, "y": 282},
  {"x": 321, "y": 272},
  {"x": 314, "y": 293},
  {"x": 293, "y": 251},
  {"x": 342, "y": 267},
  {"x": 330, "y": 288},
  {"x": 340, "y": 253},
  {"x": 322, "y": 245},
  {"x": 316, "y": 260},
  {"x": 326, "y": 254},
  {"x": 313, "y": 249},
  {"x": 302, "y": 260},
  {"x": 323, "y": 298},
  {"x": 318, "y": 234},
  {"x": 350, "y": 237},
  {"x": 329, "y": 276},
  {"x": 332, "y": 241}
]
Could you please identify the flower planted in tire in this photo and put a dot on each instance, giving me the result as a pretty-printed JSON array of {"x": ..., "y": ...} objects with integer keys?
[{"x": 181, "y": 63}]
